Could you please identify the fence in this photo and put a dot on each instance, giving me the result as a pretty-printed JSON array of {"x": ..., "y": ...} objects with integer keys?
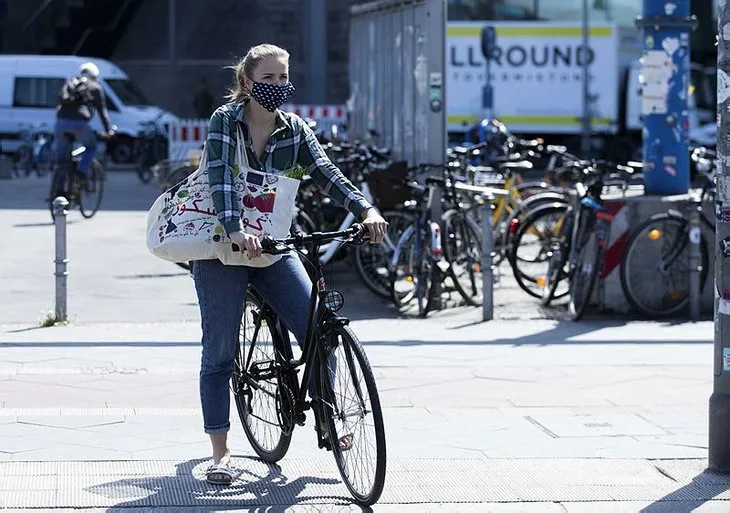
[
  {"x": 397, "y": 63},
  {"x": 190, "y": 134}
]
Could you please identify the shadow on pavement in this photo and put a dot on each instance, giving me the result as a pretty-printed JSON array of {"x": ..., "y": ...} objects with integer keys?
[
  {"x": 703, "y": 488},
  {"x": 258, "y": 484},
  {"x": 122, "y": 191}
]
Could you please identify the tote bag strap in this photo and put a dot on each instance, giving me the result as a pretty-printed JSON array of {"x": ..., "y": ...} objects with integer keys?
[{"x": 241, "y": 153}]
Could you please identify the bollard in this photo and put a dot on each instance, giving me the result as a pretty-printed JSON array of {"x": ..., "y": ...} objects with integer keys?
[
  {"x": 487, "y": 248},
  {"x": 59, "y": 211},
  {"x": 695, "y": 263}
]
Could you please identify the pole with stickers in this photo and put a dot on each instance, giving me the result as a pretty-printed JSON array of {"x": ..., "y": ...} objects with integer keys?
[
  {"x": 664, "y": 79},
  {"x": 719, "y": 413}
]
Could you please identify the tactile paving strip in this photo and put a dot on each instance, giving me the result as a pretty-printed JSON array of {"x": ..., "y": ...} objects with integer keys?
[{"x": 158, "y": 484}]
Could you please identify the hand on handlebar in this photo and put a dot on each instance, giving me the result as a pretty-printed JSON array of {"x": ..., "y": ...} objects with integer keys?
[
  {"x": 251, "y": 244},
  {"x": 376, "y": 226}
]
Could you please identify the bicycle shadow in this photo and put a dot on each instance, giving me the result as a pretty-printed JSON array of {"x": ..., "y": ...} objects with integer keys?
[{"x": 257, "y": 484}]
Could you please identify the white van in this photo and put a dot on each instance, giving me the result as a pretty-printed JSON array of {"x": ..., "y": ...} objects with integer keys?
[{"x": 29, "y": 86}]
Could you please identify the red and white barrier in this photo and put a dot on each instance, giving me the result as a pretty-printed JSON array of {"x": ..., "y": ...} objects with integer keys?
[
  {"x": 186, "y": 135},
  {"x": 320, "y": 113},
  {"x": 190, "y": 134},
  {"x": 619, "y": 236}
]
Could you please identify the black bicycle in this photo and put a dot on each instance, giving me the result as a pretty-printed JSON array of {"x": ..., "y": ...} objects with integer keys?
[
  {"x": 271, "y": 399},
  {"x": 86, "y": 193}
]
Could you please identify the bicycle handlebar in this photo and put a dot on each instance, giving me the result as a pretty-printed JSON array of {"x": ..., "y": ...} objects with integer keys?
[{"x": 271, "y": 246}]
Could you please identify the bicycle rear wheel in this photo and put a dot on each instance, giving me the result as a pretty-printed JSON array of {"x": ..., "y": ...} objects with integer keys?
[
  {"x": 91, "y": 193},
  {"x": 353, "y": 416},
  {"x": 657, "y": 252},
  {"x": 263, "y": 401}
]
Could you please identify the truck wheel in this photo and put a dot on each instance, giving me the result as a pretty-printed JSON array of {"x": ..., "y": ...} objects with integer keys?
[{"x": 122, "y": 150}]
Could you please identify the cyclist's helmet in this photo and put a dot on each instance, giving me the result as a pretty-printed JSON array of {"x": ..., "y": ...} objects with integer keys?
[{"x": 90, "y": 70}]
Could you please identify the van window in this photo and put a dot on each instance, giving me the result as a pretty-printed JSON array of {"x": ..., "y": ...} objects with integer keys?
[
  {"x": 38, "y": 92},
  {"x": 128, "y": 93}
]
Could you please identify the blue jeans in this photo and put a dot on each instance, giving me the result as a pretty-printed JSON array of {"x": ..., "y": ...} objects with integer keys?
[
  {"x": 84, "y": 135},
  {"x": 221, "y": 289}
]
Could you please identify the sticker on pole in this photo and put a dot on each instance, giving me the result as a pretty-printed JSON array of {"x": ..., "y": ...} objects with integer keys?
[
  {"x": 726, "y": 358},
  {"x": 723, "y": 86}
]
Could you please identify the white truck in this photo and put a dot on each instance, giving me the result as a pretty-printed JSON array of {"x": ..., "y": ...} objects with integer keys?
[{"x": 537, "y": 78}]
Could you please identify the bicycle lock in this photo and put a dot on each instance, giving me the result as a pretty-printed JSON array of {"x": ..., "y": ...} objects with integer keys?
[{"x": 60, "y": 213}]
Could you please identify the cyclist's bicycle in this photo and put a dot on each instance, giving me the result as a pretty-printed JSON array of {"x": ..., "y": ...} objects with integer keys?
[
  {"x": 68, "y": 182},
  {"x": 271, "y": 399}
]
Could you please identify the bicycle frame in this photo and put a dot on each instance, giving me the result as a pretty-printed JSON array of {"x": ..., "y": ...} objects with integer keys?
[{"x": 319, "y": 317}]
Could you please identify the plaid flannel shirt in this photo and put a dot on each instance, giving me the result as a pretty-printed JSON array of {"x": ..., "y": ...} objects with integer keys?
[{"x": 292, "y": 142}]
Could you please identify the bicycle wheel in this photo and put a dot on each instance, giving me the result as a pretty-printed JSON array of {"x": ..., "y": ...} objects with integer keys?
[
  {"x": 657, "y": 252},
  {"x": 58, "y": 182},
  {"x": 586, "y": 267},
  {"x": 353, "y": 415},
  {"x": 560, "y": 253},
  {"x": 144, "y": 173},
  {"x": 462, "y": 247},
  {"x": 371, "y": 261},
  {"x": 90, "y": 195},
  {"x": 533, "y": 248},
  {"x": 263, "y": 401}
]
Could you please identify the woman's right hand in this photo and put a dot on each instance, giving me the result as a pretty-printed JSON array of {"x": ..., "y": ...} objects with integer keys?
[{"x": 247, "y": 242}]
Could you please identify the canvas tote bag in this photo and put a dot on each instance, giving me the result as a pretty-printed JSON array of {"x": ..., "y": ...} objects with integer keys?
[{"x": 182, "y": 224}]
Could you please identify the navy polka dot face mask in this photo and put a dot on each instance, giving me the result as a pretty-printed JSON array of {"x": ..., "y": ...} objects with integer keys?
[{"x": 271, "y": 96}]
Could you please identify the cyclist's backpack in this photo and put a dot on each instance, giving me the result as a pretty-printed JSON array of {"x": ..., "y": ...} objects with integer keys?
[{"x": 75, "y": 92}]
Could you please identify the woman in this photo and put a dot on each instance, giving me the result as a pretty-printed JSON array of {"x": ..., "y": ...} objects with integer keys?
[{"x": 274, "y": 140}]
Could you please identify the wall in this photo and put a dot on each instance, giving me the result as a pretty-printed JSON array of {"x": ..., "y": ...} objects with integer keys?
[{"x": 170, "y": 44}]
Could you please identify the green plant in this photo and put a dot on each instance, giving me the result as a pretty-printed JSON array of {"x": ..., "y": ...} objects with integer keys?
[
  {"x": 51, "y": 320},
  {"x": 295, "y": 171}
]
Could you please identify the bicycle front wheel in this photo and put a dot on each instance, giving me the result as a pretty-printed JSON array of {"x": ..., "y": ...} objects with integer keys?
[
  {"x": 462, "y": 246},
  {"x": 353, "y": 416},
  {"x": 92, "y": 191},
  {"x": 587, "y": 264},
  {"x": 263, "y": 401}
]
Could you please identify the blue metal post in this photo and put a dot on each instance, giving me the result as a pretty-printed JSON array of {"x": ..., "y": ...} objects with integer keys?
[{"x": 665, "y": 72}]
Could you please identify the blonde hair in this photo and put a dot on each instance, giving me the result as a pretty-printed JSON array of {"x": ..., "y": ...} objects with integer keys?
[{"x": 244, "y": 68}]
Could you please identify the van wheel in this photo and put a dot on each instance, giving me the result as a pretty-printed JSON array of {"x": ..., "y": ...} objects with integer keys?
[{"x": 122, "y": 150}]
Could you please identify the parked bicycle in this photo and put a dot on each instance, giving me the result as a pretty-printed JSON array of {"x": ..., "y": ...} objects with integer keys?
[
  {"x": 270, "y": 398},
  {"x": 151, "y": 147},
  {"x": 657, "y": 250},
  {"x": 36, "y": 151}
]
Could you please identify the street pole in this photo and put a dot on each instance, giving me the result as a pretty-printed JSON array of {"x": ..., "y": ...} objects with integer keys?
[
  {"x": 585, "y": 140},
  {"x": 719, "y": 429},
  {"x": 486, "y": 263},
  {"x": 60, "y": 213}
]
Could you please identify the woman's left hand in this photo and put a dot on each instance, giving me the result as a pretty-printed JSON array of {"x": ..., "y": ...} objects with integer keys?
[{"x": 377, "y": 226}]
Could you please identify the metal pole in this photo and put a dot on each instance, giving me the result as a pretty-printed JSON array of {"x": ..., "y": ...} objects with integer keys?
[
  {"x": 719, "y": 428},
  {"x": 487, "y": 273},
  {"x": 585, "y": 141},
  {"x": 695, "y": 264},
  {"x": 59, "y": 211}
]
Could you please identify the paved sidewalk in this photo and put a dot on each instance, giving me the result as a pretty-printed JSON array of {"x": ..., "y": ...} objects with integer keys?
[
  {"x": 596, "y": 416},
  {"x": 519, "y": 414}
]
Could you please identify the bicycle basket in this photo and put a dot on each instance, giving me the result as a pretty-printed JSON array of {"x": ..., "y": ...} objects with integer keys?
[{"x": 387, "y": 185}]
